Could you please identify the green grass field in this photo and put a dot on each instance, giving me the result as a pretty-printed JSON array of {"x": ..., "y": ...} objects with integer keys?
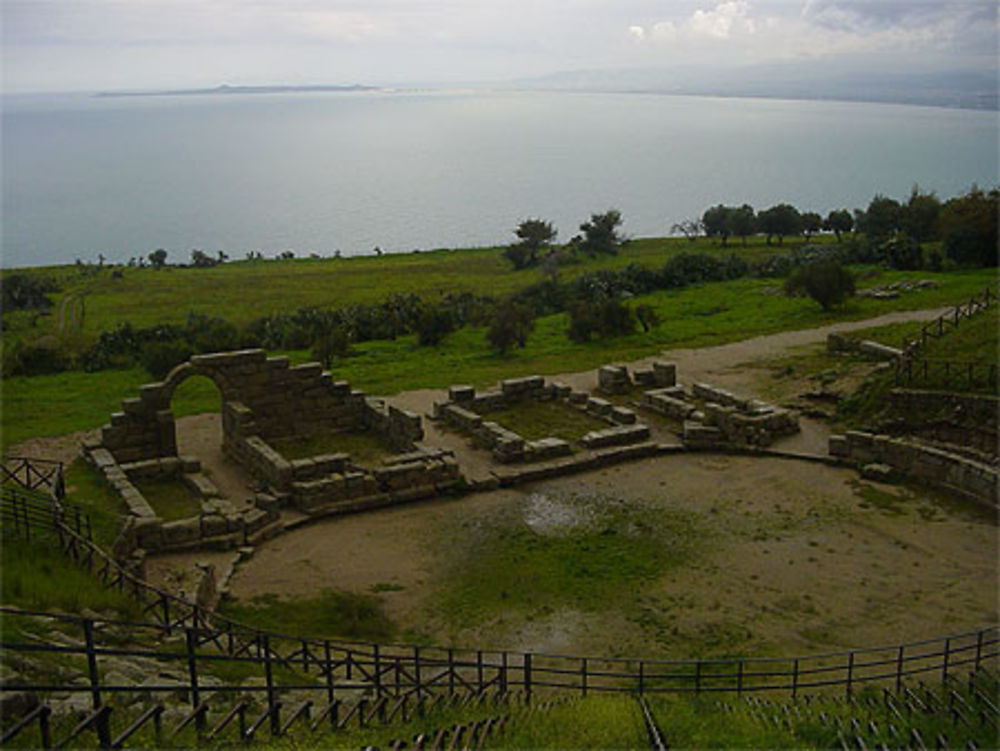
[{"x": 696, "y": 316}]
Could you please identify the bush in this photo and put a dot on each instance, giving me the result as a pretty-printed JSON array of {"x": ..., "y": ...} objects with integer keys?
[
  {"x": 332, "y": 344},
  {"x": 434, "y": 323},
  {"x": 159, "y": 358},
  {"x": 826, "y": 282},
  {"x": 512, "y": 324},
  {"x": 647, "y": 316},
  {"x": 609, "y": 317},
  {"x": 902, "y": 252},
  {"x": 22, "y": 292}
]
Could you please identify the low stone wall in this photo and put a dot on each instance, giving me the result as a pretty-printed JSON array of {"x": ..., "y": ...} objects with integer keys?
[
  {"x": 218, "y": 525},
  {"x": 462, "y": 411},
  {"x": 616, "y": 379},
  {"x": 917, "y": 461},
  {"x": 836, "y": 343}
]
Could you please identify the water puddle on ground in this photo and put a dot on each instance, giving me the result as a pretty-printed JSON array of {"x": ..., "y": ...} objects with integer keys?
[{"x": 554, "y": 516}]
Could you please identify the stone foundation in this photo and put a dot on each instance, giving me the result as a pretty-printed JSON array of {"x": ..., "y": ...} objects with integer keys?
[{"x": 919, "y": 462}]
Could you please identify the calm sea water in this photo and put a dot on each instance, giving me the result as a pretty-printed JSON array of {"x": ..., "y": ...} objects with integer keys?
[{"x": 320, "y": 172}]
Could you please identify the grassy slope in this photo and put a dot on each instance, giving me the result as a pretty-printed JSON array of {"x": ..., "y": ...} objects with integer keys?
[
  {"x": 241, "y": 291},
  {"x": 701, "y": 315}
]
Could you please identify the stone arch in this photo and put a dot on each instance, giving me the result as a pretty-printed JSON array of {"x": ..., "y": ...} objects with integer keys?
[{"x": 189, "y": 369}]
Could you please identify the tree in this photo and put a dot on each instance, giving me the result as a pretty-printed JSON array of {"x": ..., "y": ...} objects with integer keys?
[
  {"x": 202, "y": 260},
  {"x": 690, "y": 228},
  {"x": 839, "y": 221},
  {"x": 881, "y": 219},
  {"x": 511, "y": 324},
  {"x": 434, "y": 323},
  {"x": 968, "y": 226},
  {"x": 811, "y": 224},
  {"x": 534, "y": 235},
  {"x": 902, "y": 252},
  {"x": 780, "y": 220},
  {"x": 826, "y": 282},
  {"x": 647, "y": 316},
  {"x": 607, "y": 317},
  {"x": 742, "y": 222},
  {"x": 333, "y": 343},
  {"x": 158, "y": 258},
  {"x": 716, "y": 222},
  {"x": 600, "y": 234},
  {"x": 919, "y": 217}
]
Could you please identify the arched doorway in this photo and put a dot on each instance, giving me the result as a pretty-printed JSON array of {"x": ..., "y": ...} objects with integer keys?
[{"x": 196, "y": 404}]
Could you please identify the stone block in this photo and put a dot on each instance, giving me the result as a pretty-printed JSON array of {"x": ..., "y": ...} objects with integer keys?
[
  {"x": 615, "y": 436},
  {"x": 613, "y": 379},
  {"x": 578, "y": 397},
  {"x": 461, "y": 393},
  {"x": 598, "y": 406},
  {"x": 878, "y": 472},
  {"x": 548, "y": 448},
  {"x": 664, "y": 373},
  {"x": 644, "y": 377},
  {"x": 623, "y": 415},
  {"x": 699, "y": 435},
  {"x": 839, "y": 446}
]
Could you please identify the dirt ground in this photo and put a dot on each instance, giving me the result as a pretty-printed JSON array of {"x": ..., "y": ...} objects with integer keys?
[
  {"x": 793, "y": 556},
  {"x": 790, "y": 561}
]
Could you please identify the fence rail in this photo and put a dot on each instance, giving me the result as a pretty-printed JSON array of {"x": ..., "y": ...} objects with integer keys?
[
  {"x": 947, "y": 372},
  {"x": 947, "y": 321},
  {"x": 188, "y": 639},
  {"x": 34, "y": 474}
]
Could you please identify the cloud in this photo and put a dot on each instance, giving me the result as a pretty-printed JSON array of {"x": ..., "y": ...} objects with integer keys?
[{"x": 725, "y": 19}]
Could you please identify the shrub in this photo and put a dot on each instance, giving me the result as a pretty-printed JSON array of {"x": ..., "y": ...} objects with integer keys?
[
  {"x": 434, "y": 323},
  {"x": 826, "y": 282},
  {"x": 511, "y": 324},
  {"x": 647, "y": 316},
  {"x": 608, "y": 317},
  {"x": 159, "y": 358},
  {"x": 333, "y": 343},
  {"x": 902, "y": 252}
]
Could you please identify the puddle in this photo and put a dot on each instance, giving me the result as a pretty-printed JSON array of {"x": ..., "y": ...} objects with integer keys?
[{"x": 557, "y": 516}]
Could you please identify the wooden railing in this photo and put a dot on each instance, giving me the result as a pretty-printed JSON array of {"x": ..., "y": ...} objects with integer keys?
[
  {"x": 948, "y": 321},
  {"x": 34, "y": 474},
  {"x": 947, "y": 374}
]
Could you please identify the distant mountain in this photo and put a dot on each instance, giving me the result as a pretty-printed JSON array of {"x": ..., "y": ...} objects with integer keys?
[
  {"x": 967, "y": 89},
  {"x": 226, "y": 89}
]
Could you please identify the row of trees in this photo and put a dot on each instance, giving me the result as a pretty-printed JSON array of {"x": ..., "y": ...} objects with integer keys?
[
  {"x": 966, "y": 224},
  {"x": 535, "y": 237}
]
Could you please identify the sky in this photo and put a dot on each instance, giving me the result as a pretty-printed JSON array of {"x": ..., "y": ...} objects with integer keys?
[{"x": 87, "y": 45}]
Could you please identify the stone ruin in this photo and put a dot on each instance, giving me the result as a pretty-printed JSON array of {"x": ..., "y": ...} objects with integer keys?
[
  {"x": 464, "y": 404},
  {"x": 710, "y": 416},
  {"x": 263, "y": 399}
]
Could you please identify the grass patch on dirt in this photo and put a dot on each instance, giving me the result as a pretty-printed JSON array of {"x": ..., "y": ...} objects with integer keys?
[
  {"x": 533, "y": 420},
  {"x": 583, "y": 553},
  {"x": 330, "y": 614},
  {"x": 171, "y": 499},
  {"x": 364, "y": 447},
  {"x": 594, "y": 722}
]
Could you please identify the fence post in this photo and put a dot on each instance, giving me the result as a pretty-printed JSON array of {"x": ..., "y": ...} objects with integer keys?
[
  {"x": 944, "y": 664},
  {"x": 979, "y": 650},
  {"x": 583, "y": 676},
  {"x": 739, "y": 678},
  {"x": 191, "y": 638},
  {"x": 899, "y": 668},
  {"x": 850, "y": 672},
  {"x": 416, "y": 672},
  {"x": 642, "y": 676},
  {"x": 527, "y": 677},
  {"x": 479, "y": 669},
  {"x": 697, "y": 677},
  {"x": 329, "y": 671},
  {"x": 503, "y": 672},
  {"x": 272, "y": 708},
  {"x": 795, "y": 678},
  {"x": 103, "y": 730},
  {"x": 378, "y": 671},
  {"x": 451, "y": 671}
]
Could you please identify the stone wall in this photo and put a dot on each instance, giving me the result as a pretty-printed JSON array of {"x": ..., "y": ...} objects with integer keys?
[
  {"x": 464, "y": 404},
  {"x": 261, "y": 395},
  {"x": 920, "y": 462}
]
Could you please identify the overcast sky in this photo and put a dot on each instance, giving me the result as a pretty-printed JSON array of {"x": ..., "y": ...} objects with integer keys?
[{"x": 66, "y": 45}]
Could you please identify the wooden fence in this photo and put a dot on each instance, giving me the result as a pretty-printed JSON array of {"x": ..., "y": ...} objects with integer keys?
[
  {"x": 947, "y": 373},
  {"x": 950, "y": 320},
  {"x": 190, "y": 638},
  {"x": 34, "y": 474}
]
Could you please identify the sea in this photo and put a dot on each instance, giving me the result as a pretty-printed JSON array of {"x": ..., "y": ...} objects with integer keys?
[{"x": 400, "y": 171}]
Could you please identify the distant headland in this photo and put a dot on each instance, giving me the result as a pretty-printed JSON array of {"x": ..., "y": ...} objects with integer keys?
[{"x": 226, "y": 89}]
